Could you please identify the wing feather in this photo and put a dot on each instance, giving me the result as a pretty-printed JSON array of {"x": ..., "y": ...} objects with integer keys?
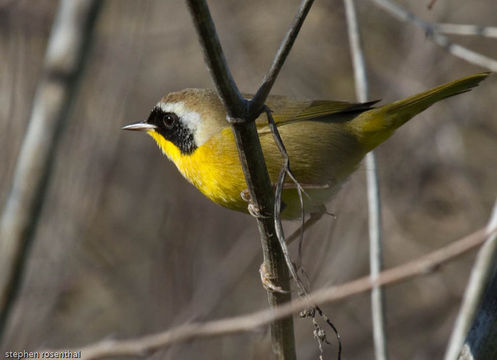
[{"x": 286, "y": 111}]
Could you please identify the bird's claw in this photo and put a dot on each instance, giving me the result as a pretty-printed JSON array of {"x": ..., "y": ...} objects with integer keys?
[
  {"x": 252, "y": 208},
  {"x": 267, "y": 281}
]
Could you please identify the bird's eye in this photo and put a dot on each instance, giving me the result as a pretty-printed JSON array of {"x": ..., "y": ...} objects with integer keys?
[{"x": 168, "y": 119}]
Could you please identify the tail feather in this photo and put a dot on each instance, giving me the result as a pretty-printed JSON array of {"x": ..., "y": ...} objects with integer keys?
[{"x": 376, "y": 125}]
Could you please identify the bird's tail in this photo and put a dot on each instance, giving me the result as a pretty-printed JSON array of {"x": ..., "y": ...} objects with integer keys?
[{"x": 376, "y": 125}]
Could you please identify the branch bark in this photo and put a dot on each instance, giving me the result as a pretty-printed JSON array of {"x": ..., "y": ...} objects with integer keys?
[
  {"x": 64, "y": 61},
  {"x": 241, "y": 114}
]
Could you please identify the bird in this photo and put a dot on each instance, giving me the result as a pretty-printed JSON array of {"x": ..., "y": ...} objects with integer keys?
[{"x": 325, "y": 140}]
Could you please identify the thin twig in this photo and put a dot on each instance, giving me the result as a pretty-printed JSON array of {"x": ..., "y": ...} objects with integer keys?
[
  {"x": 374, "y": 203},
  {"x": 333, "y": 327},
  {"x": 423, "y": 265},
  {"x": 259, "y": 98},
  {"x": 457, "y": 50},
  {"x": 478, "y": 281},
  {"x": 286, "y": 170},
  {"x": 467, "y": 30},
  {"x": 64, "y": 61}
]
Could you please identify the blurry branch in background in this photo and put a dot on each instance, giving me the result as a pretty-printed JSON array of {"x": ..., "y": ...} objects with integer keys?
[
  {"x": 431, "y": 4},
  {"x": 241, "y": 115},
  {"x": 423, "y": 265},
  {"x": 474, "y": 313},
  {"x": 484, "y": 322},
  {"x": 203, "y": 300},
  {"x": 468, "y": 30},
  {"x": 66, "y": 54},
  {"x": 374, "y": 202},
  {"x": 434, "y": 34}
]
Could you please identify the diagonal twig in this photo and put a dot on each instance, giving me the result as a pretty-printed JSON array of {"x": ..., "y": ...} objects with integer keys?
[
  {"x": 259, "y": 98},
  {"x": 440, "y": 39},
  {"x": 421, "y": 266}
]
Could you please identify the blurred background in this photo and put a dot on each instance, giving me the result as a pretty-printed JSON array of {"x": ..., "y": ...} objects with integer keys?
[{"x": 127, "y": 247}]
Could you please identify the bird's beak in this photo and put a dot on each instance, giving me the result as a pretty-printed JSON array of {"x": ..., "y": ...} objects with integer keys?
[{"x": 139, "y": 127}]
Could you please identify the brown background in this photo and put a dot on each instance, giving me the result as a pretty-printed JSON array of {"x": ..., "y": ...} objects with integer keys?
[{"x": 126, "y": 247}]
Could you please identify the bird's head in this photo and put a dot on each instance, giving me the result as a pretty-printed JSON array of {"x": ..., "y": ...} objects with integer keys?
[{"x": 185, "y": 119}]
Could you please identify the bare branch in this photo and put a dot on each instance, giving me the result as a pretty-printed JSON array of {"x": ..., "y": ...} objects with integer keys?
[
  {"x": 286, "y": 170},
  {"x": 421, "y": 266},
  {"x": 64, "y": 60},
  {"x": 360, "y": 76},
  {"x": 258, "y": 100},
  {"x": 440, "y": 39},
  {"x": 374, "y": 203},
  {"x": 251, "y": 157},
  {"x": 478, "y": 282},
  {"x": 214, "y": 57},
  {"x": 467, "y": 30},
  {"x": 375, "y": 256}
]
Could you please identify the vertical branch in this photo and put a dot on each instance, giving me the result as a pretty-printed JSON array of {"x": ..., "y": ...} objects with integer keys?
[
  {"x": 374, "y": 204},
  {"x": 484, "y": 322},
  {"x": 241, "y": 115},
  {"x": 214, "y": 57},
  {"x": 64, "y": 60}
]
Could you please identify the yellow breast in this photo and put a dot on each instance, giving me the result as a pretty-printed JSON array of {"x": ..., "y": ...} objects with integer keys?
[{"x": 213, "y": 168}]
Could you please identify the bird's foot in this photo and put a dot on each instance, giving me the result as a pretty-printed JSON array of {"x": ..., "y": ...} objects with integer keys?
[
  {"x": 252, "y": 208},
  {"x": 267, "y": 281}
]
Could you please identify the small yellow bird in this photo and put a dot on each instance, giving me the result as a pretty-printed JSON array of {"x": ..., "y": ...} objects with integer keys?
[{"x": 325, "y": 140}]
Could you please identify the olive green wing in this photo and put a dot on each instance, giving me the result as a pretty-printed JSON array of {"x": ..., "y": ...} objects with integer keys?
[{"x": 286, "y": 111}]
